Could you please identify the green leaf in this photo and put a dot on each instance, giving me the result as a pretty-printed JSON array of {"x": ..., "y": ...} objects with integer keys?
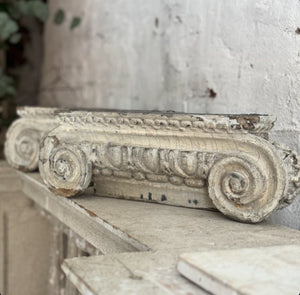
[
  {"x": 7, "y": 26},
  {"x": 36, "y": 8},
  {"x": 59, "y": 17},
  {"x": 24, "y": 7},
  {"x": 75, "y": 22},
  {"x": 40, "y": 10},
  {"x": 4, "y": 17},
  {"x": 15, "y": 38}
]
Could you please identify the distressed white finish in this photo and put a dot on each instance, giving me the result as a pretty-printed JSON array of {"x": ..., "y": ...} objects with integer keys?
[
  {"x": 23, "y": 137},
  {"x": 163, "y": 54},
  {"x": 168, "y": 54},
  {"x": 172, "y": 158},
  {"x": 129, "y": 273},
  {"x": 115, "y": 226},
  {"x": 263, "y": 271},
  {"x": 99, "y": 233}
]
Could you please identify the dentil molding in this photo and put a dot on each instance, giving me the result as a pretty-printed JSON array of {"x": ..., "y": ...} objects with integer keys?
[{"x": 192, "y": 160}]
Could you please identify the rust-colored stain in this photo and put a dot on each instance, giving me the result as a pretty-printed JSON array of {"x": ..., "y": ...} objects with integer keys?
[
  {"x": 91, "y": 213},
  {"x": 22, "y": 169},
  {"x": 211, "y": 93},
  {"x": 55, "y": 141},
  {"x": 113, "y": 226},
  {"x": 119, "y": 229},
  {"x": 64, "y": 192},
  {"x": 238, "y": 205},
  {"x": 246, "y": 122}
]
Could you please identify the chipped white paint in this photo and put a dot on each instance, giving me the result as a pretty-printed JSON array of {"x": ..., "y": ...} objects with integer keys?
[
  {"x": 98, "y": 232},
  {"x": 163, "y": 54},
  {"x": 172, "y": 158},
  {"x": 120, "y": 226},
  {"x": 115, "y": 226},
  {"x": 147, "y": 156},
  {"x": 269, "y": 270}
]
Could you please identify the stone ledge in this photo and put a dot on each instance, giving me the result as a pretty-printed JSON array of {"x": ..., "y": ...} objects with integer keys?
[
  {"x": 116, "y": 226},
  {"x": 140, "y": 226}
]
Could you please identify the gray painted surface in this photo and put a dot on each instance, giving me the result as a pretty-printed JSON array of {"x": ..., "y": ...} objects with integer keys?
[
  {"x": 207, "y": 56},
  {"x": 263, "y": 270}
]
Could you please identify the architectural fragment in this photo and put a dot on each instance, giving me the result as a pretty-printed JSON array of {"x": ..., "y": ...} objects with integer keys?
[{"x": 172, "y": 158}]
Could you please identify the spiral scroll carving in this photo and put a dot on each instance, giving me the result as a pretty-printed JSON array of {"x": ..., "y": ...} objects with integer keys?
[
  {"x": 22, "y": 147},
  {"x": 224, "y": 157},
  {"x": 237, "y": 188},
  {"x": 67, "y": 171},
  {"x": 24, "y": 136}
]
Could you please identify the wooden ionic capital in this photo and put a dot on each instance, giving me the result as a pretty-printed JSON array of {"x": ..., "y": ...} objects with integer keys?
[
  {"x": 191, "y": 160},
  {"x": 24, "y": 136}
]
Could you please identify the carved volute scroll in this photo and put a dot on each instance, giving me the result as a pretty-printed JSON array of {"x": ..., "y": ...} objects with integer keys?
[
  {"x": 171, "y": 158},
  {"x": 24, "y": 135},
  {"x": 67, "y": 171}
]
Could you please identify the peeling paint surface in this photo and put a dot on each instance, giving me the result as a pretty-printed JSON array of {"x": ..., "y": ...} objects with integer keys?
[{"x": 191, "y": 55}]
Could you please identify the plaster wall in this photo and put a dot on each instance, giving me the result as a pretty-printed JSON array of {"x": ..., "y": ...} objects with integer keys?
[{"x": 207, "y": 56}]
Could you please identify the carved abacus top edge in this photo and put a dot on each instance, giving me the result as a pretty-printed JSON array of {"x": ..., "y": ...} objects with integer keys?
[
  {"x": 38, "y": 112},
  {"x": 249, "y": 123}
]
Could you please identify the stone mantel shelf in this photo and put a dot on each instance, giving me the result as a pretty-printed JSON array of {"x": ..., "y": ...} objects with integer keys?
[
  {"x": 190, "y": 160},
  {"x": 114, "y": 226},
  {"x": 149, "y": 265}
]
